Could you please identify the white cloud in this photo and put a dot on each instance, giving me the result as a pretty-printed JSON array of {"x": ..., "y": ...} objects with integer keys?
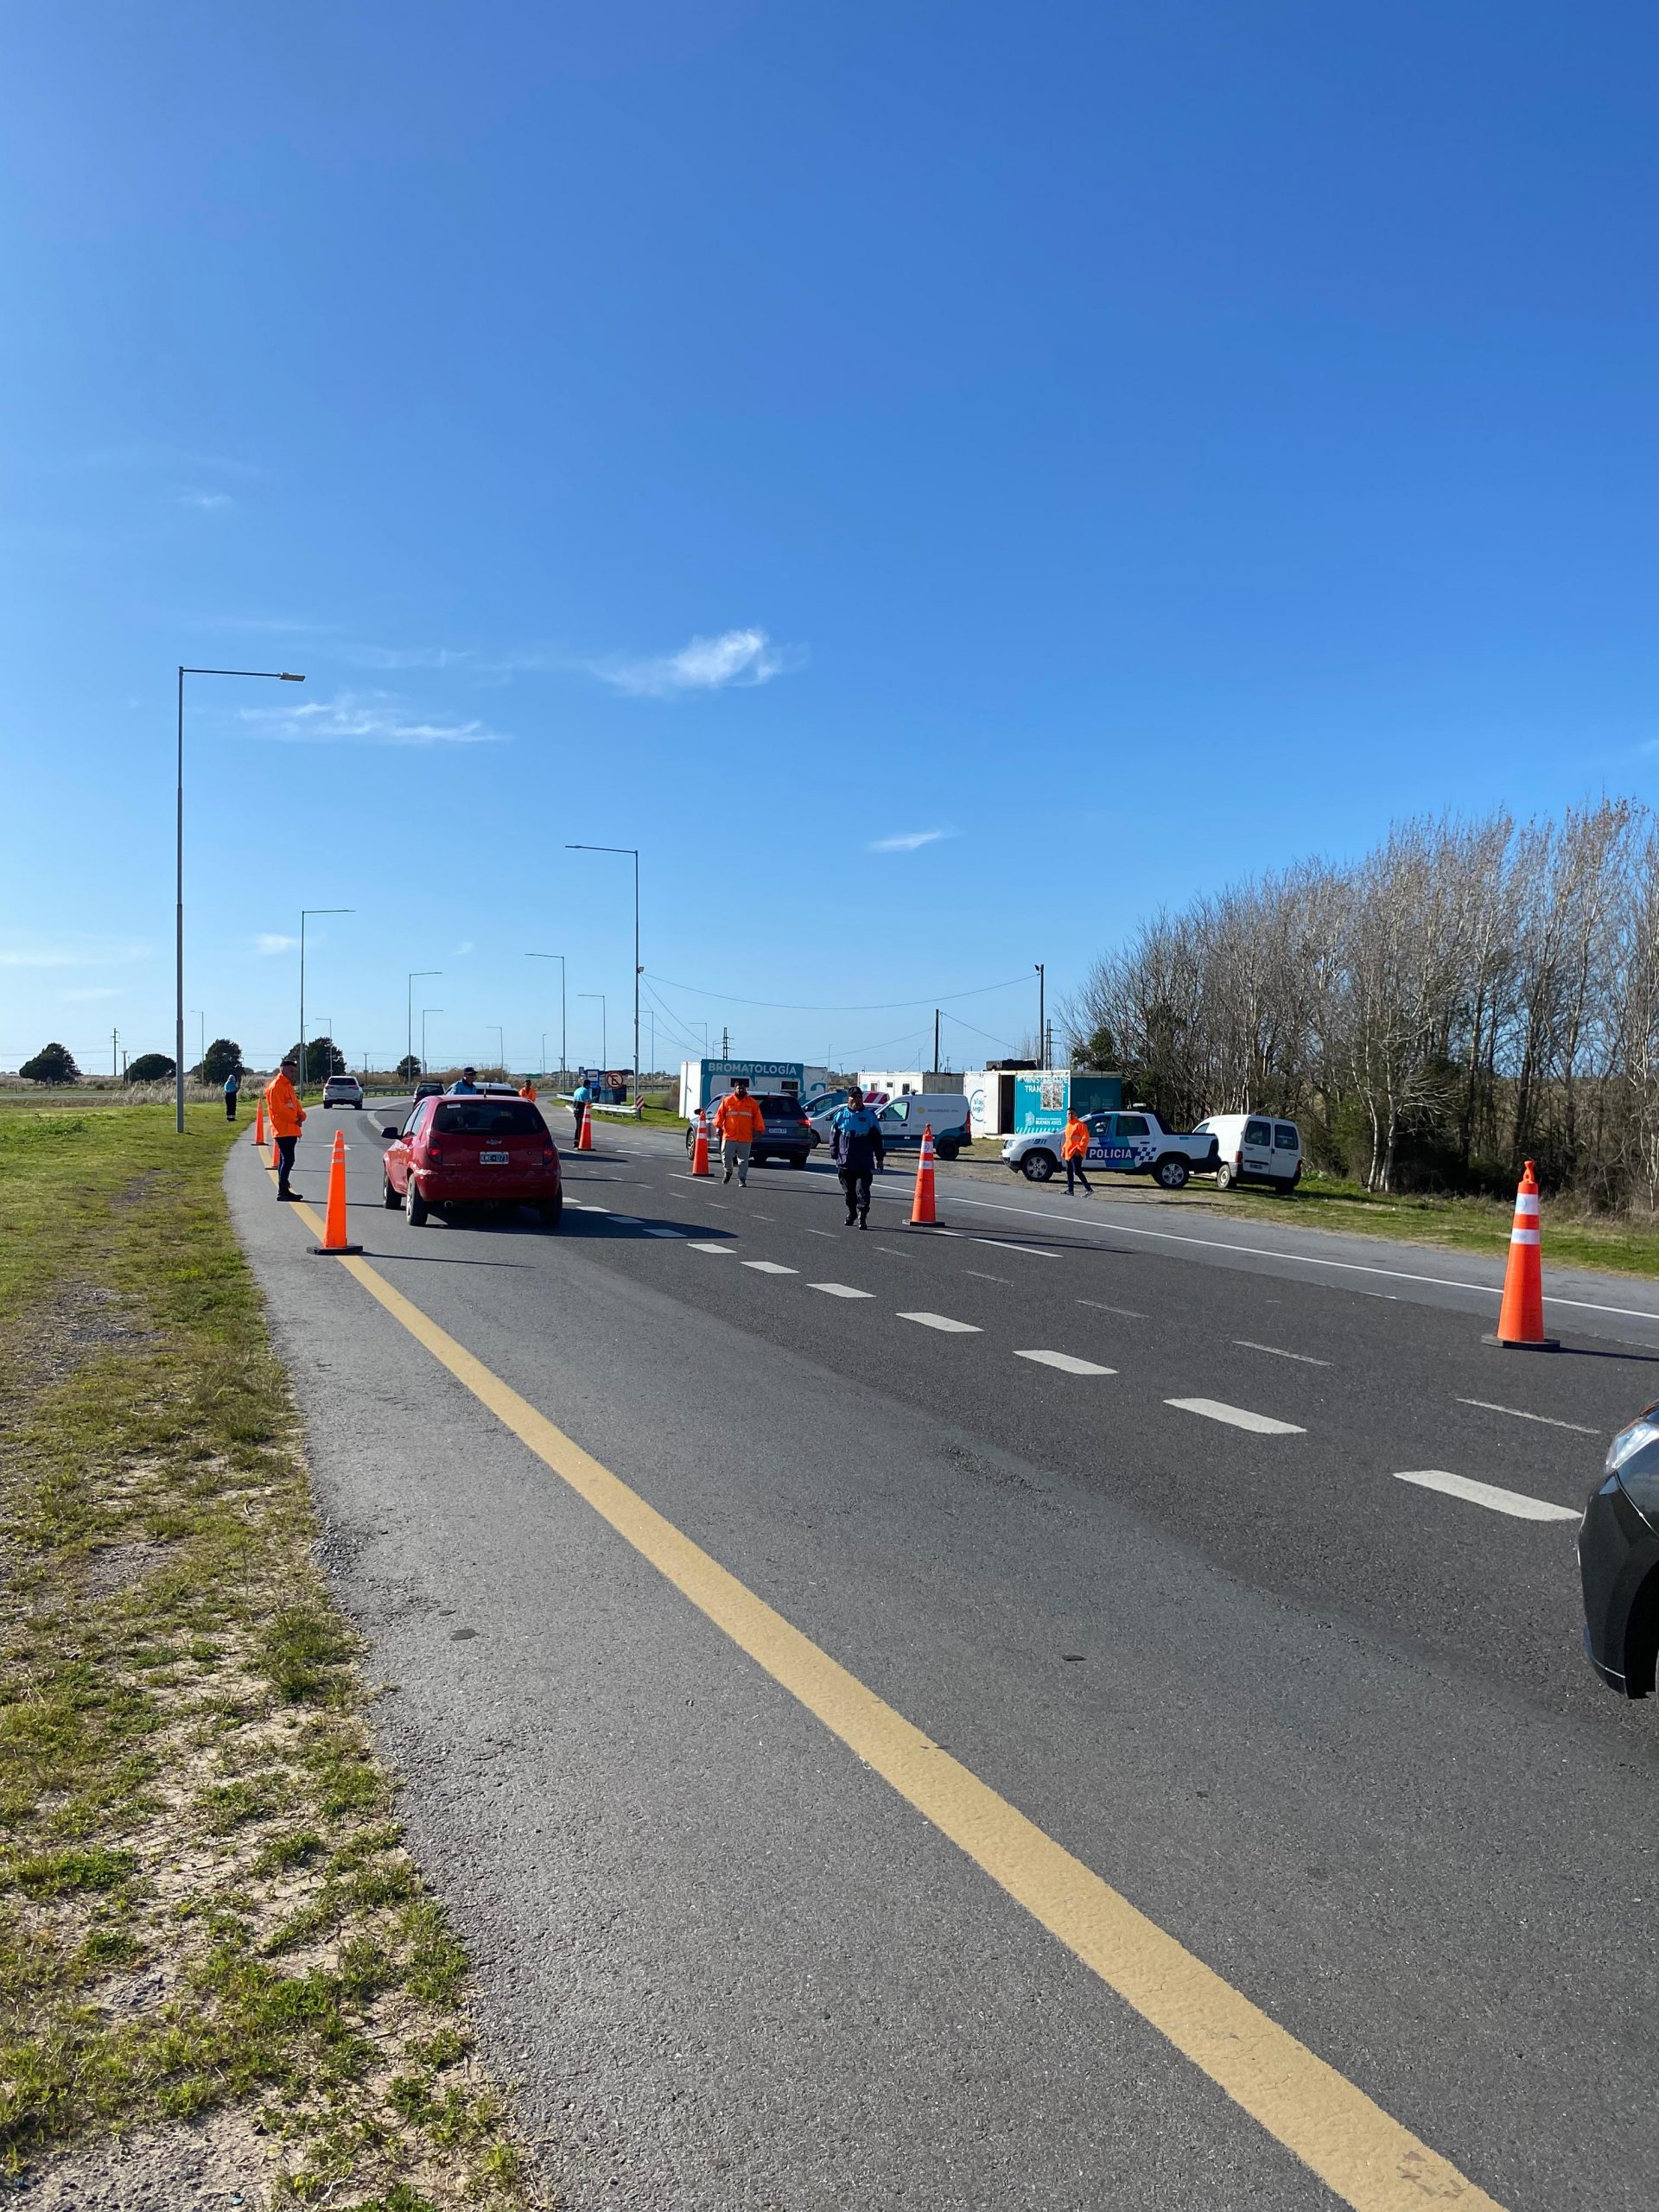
[
  {"x": 205, "y": 501},
  {"x": 465, "y": 946},
  {"x": 91, "y": 991},
  {"x": 393, "y": 657},
  {"x": 364, "y": 718},
  {"x": 909, "y": 841},
  {"x": 270, "y": 941},
  {"x": 737, "y": 660}
]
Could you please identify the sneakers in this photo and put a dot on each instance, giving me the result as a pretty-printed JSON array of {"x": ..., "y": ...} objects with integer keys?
[{"x": 290, "y": 1194}]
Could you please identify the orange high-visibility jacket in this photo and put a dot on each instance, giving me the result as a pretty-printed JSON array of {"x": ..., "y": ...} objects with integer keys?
[
  {"x": 528, "y": 1090},
  {"x": 740, "y": 1119},
  {"x": 283, "y": 1104},
  {"x": 1074, "y": 1144}
]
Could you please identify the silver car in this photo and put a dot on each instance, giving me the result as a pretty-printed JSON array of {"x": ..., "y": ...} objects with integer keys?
[{"x": 342, "y": 1091}]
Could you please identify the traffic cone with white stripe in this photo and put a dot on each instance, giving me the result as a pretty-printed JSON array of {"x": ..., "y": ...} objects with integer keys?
[
  {"x": 585, "y": 1133},
  {"x": 334, "y": 1225},
  {"x": 922, "y": 1212},
  {"x": 700, "y": 1145},
  {"x": 259, "y": 1120},
  {"x": 1521, "y": 1319}
]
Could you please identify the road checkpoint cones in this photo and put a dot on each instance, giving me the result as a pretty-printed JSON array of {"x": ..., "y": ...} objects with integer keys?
[
  {"x": 922, "y": 1213},
  {"x": 700, "y": 1145},
  {"x": 334, "y": 1225},
  {"x": 259, "y": 1120},
  {"x": 1521, "y": 1319},
  {"x": 585, "y": 1133}
]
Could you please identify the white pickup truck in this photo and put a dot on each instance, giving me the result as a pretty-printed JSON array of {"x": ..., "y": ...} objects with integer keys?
[{"x": 1132, "y": 1142}]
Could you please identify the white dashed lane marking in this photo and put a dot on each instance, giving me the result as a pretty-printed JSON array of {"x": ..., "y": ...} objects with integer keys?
[
  {"x": 945, "y": 1322},
  {"x": 697, "y": 1246},
  {"x": 1516, "y": 1414},
  {"x": 664, "y": 1232},
  {"x": 1512, "y": 1501},
  {"x": 1279, "y": 1352},
  {"x": 1127, "y": 1311},
  {"x": 1065, "y": 1362},
  {"x": 1235, "y": 1416},
  {"x": 770, "y": 1268},
  {"x": 840, "y": 1290}
]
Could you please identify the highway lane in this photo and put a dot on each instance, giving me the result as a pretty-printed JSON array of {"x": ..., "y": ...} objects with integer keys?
[{"x": 1329, "y": 1729}]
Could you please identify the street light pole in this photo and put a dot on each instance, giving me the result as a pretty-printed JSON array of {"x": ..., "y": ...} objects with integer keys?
[
  {"x": 425, "y": 1010},
  {"x": 1042, "y": 1026},
  {"x": 630, "y": 852},
  {"x": 604, "y": 1040},
  {"x": 564, "y": 1047},
  {"x": 304, "y": 913},
  {"x": 409, "y": 1004},
  {"x": 270, "y": 675}
]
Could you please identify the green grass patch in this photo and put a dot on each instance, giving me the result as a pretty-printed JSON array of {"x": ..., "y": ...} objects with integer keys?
[{"x": 187, "y": 1779}]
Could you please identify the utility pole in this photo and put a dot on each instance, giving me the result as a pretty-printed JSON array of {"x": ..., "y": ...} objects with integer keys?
[
  {"x": 1042, "y": 1013},
  {"x": 936, "y": 1040},
  {"x": 725, "y": 1042},
  {"x": 115, "y": 1050}
]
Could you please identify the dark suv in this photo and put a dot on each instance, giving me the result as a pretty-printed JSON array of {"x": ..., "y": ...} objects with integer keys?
[{"x": 789, "y": 1133}]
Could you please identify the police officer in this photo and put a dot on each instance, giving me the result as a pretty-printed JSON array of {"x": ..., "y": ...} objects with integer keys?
[{"x": 855, "y": 1148}]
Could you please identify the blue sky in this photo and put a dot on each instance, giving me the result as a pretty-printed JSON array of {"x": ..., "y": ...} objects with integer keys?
[{"x": 942, "y": 480}]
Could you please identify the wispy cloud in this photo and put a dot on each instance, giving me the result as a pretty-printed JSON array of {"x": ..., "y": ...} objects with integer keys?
[
  {"x": 909, "y": 841},
  {"x": 272, "y": 941},
  {"x": 86, "y": 993},
  {"x": 395, "y": 656},
  {"x": 364, "y": 718},
  {"x": 207, "y": 501},
  {"x": 466, "y": 945},
  {"x": 154, "y": 453},
  {"x": 75, "y": 953},
  {"x": 737, "y": 660}
]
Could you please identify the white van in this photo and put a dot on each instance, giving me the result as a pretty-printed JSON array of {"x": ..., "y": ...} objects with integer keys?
[
  {"x": 904, "y": 1119},
  {"x": 1254, "y": 1149}
]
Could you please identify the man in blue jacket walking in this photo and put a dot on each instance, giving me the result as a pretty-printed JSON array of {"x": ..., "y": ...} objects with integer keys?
[{"x": 855, "y": 1148}]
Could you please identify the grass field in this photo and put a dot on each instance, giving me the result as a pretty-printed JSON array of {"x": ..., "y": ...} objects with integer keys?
[{"x": 206, "y": 1911}]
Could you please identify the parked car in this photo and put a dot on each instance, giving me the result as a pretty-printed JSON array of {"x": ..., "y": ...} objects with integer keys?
[
  {"x": 341, "y": 1090},
  {"x": 471, "y": 1151},
  {"x": 945, "y": 1112},
  {"x": 1619, "y": 1562},
  {"x": 788, "y": 1134},
  {"x": 1134, "y": 1142},
  {"x": 428, "y": 1087},
  {"x": 1252, "y": 1148}
]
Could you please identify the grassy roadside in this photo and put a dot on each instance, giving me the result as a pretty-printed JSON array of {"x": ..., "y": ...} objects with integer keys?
[{"x": 206, "y": 1909}]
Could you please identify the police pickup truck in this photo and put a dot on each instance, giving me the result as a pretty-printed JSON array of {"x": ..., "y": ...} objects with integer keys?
[{"x": 1133, "y": 1143}]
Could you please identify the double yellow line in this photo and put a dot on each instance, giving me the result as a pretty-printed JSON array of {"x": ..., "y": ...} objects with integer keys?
[{"x": 1365, "y": 2157}]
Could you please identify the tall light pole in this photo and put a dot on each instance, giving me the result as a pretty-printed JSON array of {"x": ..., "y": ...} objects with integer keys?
[
  {"x": 604, "y": 1045},
  {"x": 305, "y": 911},
  {"x": 270, "y": 675},
  {"x": 408, "y": 1028},
  {"x": 1042, "y": 1025},
  {"x": 564, "y": 1048},
  {"x": 425, "y": 1010},
  {"x": 630, "y": 852}
]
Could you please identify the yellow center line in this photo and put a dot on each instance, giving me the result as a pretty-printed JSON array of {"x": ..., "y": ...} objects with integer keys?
[{"x": 1365, "y": 2157}]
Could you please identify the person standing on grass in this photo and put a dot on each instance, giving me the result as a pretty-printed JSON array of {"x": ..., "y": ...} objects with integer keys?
[
  {"x": 740, "y": 1124},
  {"x": 1074, "y": 1150},
  {"x": 232, "y": 1086},
  {"x": 855, "y": 1149},
  {"x": 283, "y": 1104}
]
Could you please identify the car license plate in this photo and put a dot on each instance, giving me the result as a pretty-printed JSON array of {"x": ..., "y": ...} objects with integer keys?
[{"x": 493, "y": 1159}]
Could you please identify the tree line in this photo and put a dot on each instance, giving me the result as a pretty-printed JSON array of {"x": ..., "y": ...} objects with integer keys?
[{"x": 1468, "y": 995}]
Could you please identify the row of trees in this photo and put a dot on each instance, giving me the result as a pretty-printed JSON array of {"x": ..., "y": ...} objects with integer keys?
[
  {"x": 1468, "y": 995},
  {"x": 54, "y": 1064}
]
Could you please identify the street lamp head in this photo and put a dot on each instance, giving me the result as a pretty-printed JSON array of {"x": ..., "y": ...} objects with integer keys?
[{"x": 283, "y": 677}]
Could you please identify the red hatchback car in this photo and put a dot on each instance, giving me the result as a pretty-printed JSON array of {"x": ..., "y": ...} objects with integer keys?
[{"x": 473, "y": 1151}]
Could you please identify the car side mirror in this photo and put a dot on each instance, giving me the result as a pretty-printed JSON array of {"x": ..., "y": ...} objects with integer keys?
[{"x": 390, "y": 1132}]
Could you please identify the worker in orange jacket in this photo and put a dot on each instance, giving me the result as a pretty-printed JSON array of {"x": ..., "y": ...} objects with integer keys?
[
  {"x": 286, "y": 1113},
  {"x": 527, "y": 1090},
  {"x": 740, "y": 1124},
  {"x": 1074, "y": 1150}
]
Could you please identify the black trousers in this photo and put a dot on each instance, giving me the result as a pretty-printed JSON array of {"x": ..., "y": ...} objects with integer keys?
[
  {"x": 230, "y": 1105},
  {"x": 1075, "y": 1167},
  {"x": 856, "y": 1189},
  {"x": 285, "y": 1161}
]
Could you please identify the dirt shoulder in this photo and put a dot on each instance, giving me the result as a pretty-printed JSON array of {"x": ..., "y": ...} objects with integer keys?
[{"x": 222, "y": 1979}]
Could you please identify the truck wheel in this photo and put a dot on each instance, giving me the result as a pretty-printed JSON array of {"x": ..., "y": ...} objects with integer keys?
[
  {"x": 1171, "y": 1172},
  {"x": 1225, "y": 1176},
  {"x": 1037, "y": 1166},
  {"x": 415, "y": 1206}
]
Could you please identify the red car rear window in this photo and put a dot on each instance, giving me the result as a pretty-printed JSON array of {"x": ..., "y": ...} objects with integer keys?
[{"x": 487, "y": 1117}]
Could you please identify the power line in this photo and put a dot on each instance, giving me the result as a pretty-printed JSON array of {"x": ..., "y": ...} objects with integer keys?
[{"x": 881, "y": 1006}]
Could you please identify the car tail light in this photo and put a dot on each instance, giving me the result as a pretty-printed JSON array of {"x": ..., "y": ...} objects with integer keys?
[
  {"x": 1239, "y": 1159},
  {"x": 549, "y": 1155},
  {"x": 435, "y": 1155}
]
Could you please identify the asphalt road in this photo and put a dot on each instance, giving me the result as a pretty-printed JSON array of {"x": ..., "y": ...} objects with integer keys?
[{"x": 1331, "y": 1730}]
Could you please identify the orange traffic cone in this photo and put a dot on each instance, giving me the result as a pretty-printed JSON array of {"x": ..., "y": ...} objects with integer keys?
[
  {"x": 585, "y": 1133},
  {"x": 1520, "y": 1320},
  {"x": 333, "y": 1226},
  {"x": 259, "y": 1120},
  {"x": 700, "y": 1145},
  {"x": 922, "y": 1214}
]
